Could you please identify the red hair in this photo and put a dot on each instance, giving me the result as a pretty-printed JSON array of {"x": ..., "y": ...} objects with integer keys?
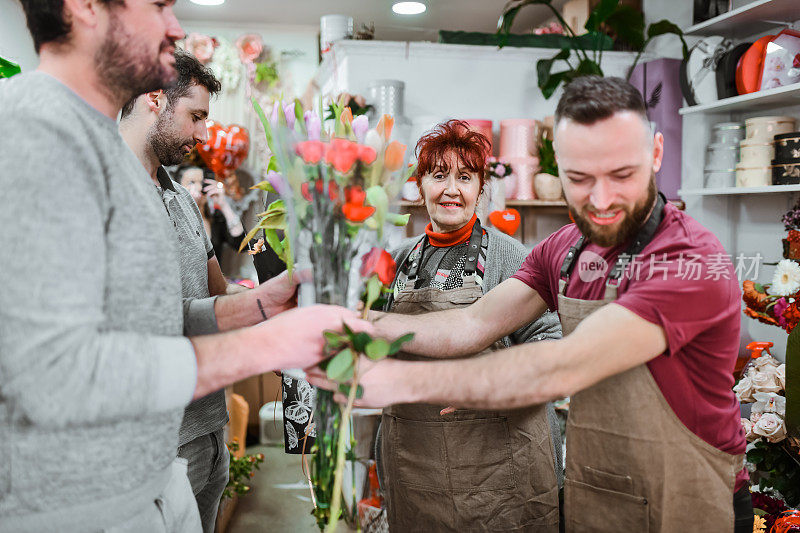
[{"x": 470, "y": 147}]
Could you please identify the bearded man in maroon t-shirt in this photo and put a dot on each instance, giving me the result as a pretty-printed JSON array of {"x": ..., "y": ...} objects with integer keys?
[{"x": 650, "y": 309}]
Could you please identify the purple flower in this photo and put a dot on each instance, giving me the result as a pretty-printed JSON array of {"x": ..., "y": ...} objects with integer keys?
[
  {"x": 313, "y": 125},
  {"x": 360, "y": 127},
  {"x": 273, "y": 117},
  {"x": 278, "y": 182},
  {"x": 780, "y": 306},
  {"x": 288, "y": 110}
]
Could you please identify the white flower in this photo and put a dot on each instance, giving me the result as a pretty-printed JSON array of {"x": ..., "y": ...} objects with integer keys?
[
  {"x": 744, "y": 389},
  {"x": 765, "y": 360},
  {"x": 373, "y": 139},
  {"x": 770, "y": 426},
  {"x": 765, "y": 380},
  {"x": 780, "y": 375},
  {"x": 769, "y": 402},
  {"x": 747, "y": 426},
  {"x": 786, "y": 281}
]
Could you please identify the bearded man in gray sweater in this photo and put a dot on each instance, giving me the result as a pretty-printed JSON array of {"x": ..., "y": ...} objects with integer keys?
[{"x": 94, "y": 369}]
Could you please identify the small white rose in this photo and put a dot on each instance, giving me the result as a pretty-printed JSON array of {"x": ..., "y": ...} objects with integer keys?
[
  {"x": 744, "y": 389},
  {"x": 780, "y": 374},
  {"x": 754, "y": 416},
  {"x": 747, "y": 426},
  {"x": 765, "y": 360},
  {"x": 765, "y": 380},
  {"x": 771, "y": 427}
]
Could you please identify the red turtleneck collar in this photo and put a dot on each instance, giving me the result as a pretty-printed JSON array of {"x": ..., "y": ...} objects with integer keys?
[{"x": 452, "y": 238}]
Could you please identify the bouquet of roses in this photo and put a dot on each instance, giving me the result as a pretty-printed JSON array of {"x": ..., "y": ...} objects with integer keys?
[
  {"x": 335, "y": 189},
  {"x": 775, "y": 303}
]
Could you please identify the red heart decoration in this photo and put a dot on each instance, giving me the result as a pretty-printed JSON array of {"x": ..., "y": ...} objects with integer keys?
[
  {"x": 507, "y": 221},
  {"x": 226, "y": 147}
]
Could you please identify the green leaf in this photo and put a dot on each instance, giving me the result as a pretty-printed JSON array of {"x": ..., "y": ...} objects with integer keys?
[
  {"x": 264, "y": 186},
  {"x": 587, "y": 67},
  {"x": 334, "y": 338},
  {"x": 554, "y": 81},
  {"x": 360, "y": 341},
  {"x": 344, "y": 388},
  {"x": 544, "y": 66},
  {"x": 600, "y": 13},
  {"x": 274, "y": 242},
  {"x": 264, "y": 122},
  {"x": 758, "y": 287},
  {"x": 272, "y": 165},
  {"x": 248, "y": 237},
  {"x": 376, "y": 197},
  {"x": 398, "y": 343},
  {"x": 348, "y": 331},
  {"x": 340, "y": 366},
  {"x": 8, "y": 68},
  {"x": 663, "y": 27},
  {"x": 628, "y": 25},
  {"x": 300, "y": 121},
  {"x": 397, "y": 219},
  {"x": 377, "y": 349},
  {"x": 510, "y": 12},
  {"x": 373, "y": 291}
]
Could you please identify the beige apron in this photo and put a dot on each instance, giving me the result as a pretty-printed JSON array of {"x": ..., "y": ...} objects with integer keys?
[
  {"x": 632, "y": 465},
  {"x": 468, "y": 470}
]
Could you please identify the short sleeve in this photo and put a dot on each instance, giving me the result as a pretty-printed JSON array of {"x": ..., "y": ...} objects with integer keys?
[
  {"x": 534, "y": 273},
  {"x": 685, "y": 301}
]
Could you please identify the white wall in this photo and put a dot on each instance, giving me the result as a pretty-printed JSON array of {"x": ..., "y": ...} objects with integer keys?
[{"x": 15, "y": 41}]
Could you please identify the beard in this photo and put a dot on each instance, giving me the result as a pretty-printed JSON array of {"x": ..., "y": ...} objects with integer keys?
[
  {"x": 126, "y": 66},
  {"x": 635, "y": 217},
  {"x": 167, "y": 145}
]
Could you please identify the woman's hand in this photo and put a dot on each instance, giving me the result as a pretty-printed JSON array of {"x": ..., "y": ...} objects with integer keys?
[{"x": 215, "y": 191}]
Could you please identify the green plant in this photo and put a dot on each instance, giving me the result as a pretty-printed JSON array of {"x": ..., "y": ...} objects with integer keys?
[
  {"x": 547, "y": 157},
  {"x": 608, "y": 19},
  {"x": 240, "y": 470},
  {"x": 8, "y": 68},
  {"x": 778, "y": 470}
]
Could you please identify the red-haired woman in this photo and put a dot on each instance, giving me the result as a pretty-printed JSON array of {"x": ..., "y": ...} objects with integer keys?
[{"x": 464, "y": 470}]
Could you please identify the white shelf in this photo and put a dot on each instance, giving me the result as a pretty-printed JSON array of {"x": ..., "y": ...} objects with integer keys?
[
  {"x": 750, "y": 19},
  {"x": 786, "y": 95},
  {"x": 724, "y": 191}
]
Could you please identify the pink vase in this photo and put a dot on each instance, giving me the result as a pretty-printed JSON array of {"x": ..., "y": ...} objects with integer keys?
[
  {"x": 517, "y": 138},
  {"x": 484, "y": 127},
  {"x": 523, "y": 171}
]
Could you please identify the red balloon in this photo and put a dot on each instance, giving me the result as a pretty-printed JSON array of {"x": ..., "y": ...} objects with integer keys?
[
  {"x": 226, "y": 147},
  {"x": 788, "y": 521}
]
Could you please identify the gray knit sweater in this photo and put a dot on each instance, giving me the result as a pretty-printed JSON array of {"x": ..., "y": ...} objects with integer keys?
[{"x": 94, "y": 370}]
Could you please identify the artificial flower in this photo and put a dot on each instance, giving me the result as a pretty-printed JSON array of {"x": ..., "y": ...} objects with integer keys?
[
  {"x": 384, "y": 127},
  {"x": 313, "y": 125},
  {"x": 781, "y": 305},
  {"x": 744, "y": 390},
  {"x": 786, "y": 281},
  {"x": 769, "y": 402},
  {"x": 378, "y": 262},
  {"x": 250, "y": 47},
  {"x": 759, "y": 524},
  {"x": 753, "y": 298},
  {"x": 360, "y": 126},
  {"x": 200, "y": 46},
  {"x": 342, "y": 154},
  {"x": 771, "y": 427},
  {"x": 500, "y": 170},
  {"x": 393, "y": 157}
]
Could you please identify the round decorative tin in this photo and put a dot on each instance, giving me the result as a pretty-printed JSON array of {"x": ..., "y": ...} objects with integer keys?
[
  {"x": 753, "y": 176},
  {"x": 787, "y": 146},
  {"x": 728, "y": 133},
  {"x": 764, "y": 129},
  {"x": 721, "y": 156},
  {"x": 786, "y": 173},
  {"x": 719, "y": 178},
  {"x": 755, "y": 154}
]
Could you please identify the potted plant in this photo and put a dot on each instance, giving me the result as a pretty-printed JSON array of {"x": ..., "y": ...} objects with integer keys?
[
  {"x": 622, "y": 24},
  {"x": 546, "y": 182}
]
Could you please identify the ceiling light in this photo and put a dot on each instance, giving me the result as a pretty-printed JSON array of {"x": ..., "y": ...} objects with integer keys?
[
  {"x": 409, "y": 8},
  {"x": 208, "y": 2}
]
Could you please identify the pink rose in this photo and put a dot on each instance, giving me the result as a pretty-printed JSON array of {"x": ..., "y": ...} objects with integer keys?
[
  {"x": 250, "y": 47},
  {"x": 200, "y": 46},
  {"x": 771, "y": 427}
]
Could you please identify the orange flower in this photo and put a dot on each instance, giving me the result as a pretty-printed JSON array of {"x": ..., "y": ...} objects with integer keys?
[
  {"x": 393, "y": 157},
  {"x": 342, "y": 154},
  {"x": 310, "y": 151},
  {"x": 366, "y": 154},
  {"x": 354, "y": 209},
  {"x": 752, "y": 298},
  {"x": 378, "y": 261},
  {"x": 384, "y": 127},
  {"x": 347, "y": 116}
]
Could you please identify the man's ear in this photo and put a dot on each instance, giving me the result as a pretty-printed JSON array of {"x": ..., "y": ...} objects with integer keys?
[
  {"x": 156, "y": 101},
  {"x": 83, "y": 11}
]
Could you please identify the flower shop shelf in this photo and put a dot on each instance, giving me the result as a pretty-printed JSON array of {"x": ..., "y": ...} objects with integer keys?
[
  {"x": 724, "y": 191},
  {"x": 770, "y": 98},
  {"x": 752, "y": 18}
]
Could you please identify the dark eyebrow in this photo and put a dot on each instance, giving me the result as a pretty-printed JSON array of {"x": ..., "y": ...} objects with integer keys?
[{"x": 202, "y": 112}]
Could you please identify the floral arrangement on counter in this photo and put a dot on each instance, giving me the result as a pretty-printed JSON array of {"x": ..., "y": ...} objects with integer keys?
[
  {"x": 763, "y": 385},
  {"x": 335, "y": 190},
  {"x": 495, "y": 168},
  {"x": 776, "y": 303}
]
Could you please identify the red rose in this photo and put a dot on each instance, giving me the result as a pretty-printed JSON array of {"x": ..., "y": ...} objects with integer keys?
[
  {"x": 311, "y": 151},
  {"x": 378, "y": 261},
  {"x": 342, "y": 154}
]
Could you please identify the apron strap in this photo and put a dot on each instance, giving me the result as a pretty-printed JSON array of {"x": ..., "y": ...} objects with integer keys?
[
  {"x": 473, "y": 249},
  {"x": 643, "y": 238}
]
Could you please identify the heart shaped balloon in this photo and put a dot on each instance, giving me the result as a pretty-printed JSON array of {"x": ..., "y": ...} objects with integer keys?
[
  {"x": 507, "y": 221},
  {"x": 226, "y": 147}
]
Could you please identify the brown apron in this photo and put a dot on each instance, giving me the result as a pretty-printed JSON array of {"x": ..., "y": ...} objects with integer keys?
[
  {"x": 468, "y": 470},
  {"x": 632, "y": 465}
]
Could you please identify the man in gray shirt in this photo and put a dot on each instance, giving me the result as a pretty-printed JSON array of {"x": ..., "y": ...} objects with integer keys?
[
  {"x": 161, "y": 127},
  {"x": 94, "y": 370}
]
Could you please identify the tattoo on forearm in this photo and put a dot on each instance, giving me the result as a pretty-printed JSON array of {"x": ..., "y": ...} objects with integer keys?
[{"x": 261, "y": 308}]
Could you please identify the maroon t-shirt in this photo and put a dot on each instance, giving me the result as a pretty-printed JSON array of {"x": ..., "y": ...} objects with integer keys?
[{"x": 684, "y": 282}]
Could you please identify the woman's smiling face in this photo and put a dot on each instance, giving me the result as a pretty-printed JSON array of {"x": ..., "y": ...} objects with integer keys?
[{"x": 451, "y": 193}]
